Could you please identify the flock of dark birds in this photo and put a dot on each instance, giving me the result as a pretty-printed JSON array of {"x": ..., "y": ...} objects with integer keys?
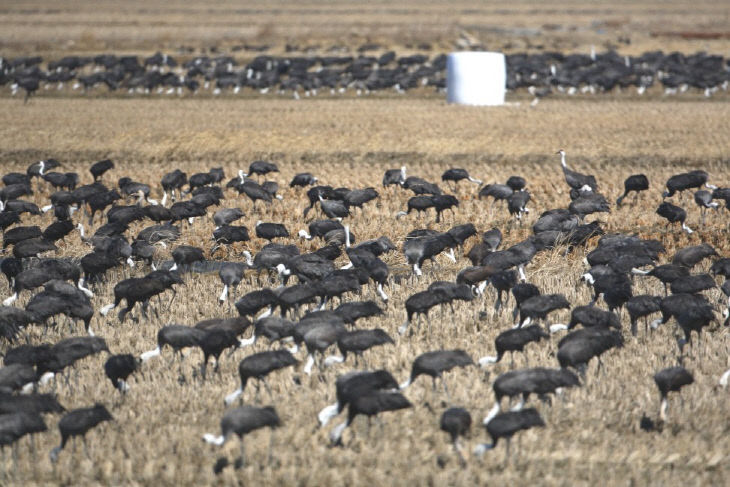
[
  {"x": 541, "y": 74},
  {"x": 293, "y": 306}
]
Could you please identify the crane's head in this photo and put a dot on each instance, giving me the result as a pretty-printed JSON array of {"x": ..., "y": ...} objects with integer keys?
[{"x": 561, "y": 152}]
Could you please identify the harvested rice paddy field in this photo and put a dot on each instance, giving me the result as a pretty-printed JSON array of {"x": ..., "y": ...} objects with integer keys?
[{"x": 592, "y": 433}]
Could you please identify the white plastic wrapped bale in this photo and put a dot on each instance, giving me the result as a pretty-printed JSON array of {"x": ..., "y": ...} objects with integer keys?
[{"x": 475, "y": 78}]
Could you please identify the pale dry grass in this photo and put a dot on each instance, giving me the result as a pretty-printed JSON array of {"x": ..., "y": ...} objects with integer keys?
[
  {"x": 86, "y": 27},
  {"x": 592, "y": 435},
  {"x": 233, "y": 130}
]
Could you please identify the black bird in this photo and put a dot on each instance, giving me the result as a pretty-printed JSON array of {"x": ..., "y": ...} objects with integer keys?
[
  {"x": 636, "y": 183},
  {"x": 417, "y": 250},
  {"x": 14, "y": 426},
  {"x": 457, "y": 174},
  {"x": 395, "y": 177},
  {"x": 667, "y": 273},
  {"x": 77, "y": 423},
  {"x": 355, "y": 310},
  {"x": 640, "y": 307},
  {"x": 334, "y": 208},
  {"x": 538, "y": 307},
  {"x": 29, "y": 84},
  {"x": 185, "y": 255},
  {"x": 514, "y": 340},
  {"x": 456, "y": 422},
  {"x": 171, "y": 182},
  {"x": 721, "y": 267},
  {"x": 673, "y": 214},
  {"x": 60, "y": 297},
  {"x": 691, "y": 256},
  {"x": 14, "y": 377},
  {"x": 29, "y": 403},
  {"x": 419, "y": 304},
  {"x": 274, "y": 328},
  {"x": 577, "y": 180},
  {"x": 357, "y": 341},
  {"x": 684, "y": 181},
  {"x": 213, "y": 342},
  {"x": 258, "y": 366},
  {"x": 517, "y": 204},
  {"x": 354, "y": 384},
  {"x": 517, "y": 183},
  {"x": 99, "y": 168},
  {"x": 177, "y": 337},
  {"x": 230, "y": 274},
  {"x": 356, "y": 198},
  {"x": 262, "y": 167},
  {"x": 589, "y": 203},
  {"x": 435, "y": 363},
  {"x": 18, "y": 234},
  {"x": 590, "y": 316},
  {"x": 303, "y": 179},
  {"x": 255, "y": 301},
  {"x": 228, "y": 235},
  {"x": 140, "y": 290},
  {"x": 524, "y": 382},
  {"x": 118, "y": 368},
  {"x": 670, "y": 379},
  {"x": 270, "y": 231},
  {"x": 703, "y": 199},
  {"x": 226, "y": 216},
  {"x": 693, "y": 284},
  {"x": 614, "y": 288},
  {"x": 505, "y": 425},
  {"x": 241, "y": 421},
  {"x": 33, "y": 247},
  {"x": 579, "y": 347},
  {"x": 496, "y": 191},
  {"x": 369, "y": 405}
]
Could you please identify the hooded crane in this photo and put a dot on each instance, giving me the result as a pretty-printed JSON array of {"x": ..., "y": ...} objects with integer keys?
[
  {"x": 577, "y": 348},
  {"x": 513, "y": 340},
  {"x": 354, "y": 384},
  {"x": 505, "y": 425},
  {"x": 270, "y": 231},
  {"x": 538, "y": 307},
  {"x": 685, "y": 181},
  {"x": 673, "y": 214},
  {"x": 417, "y": 250},
  {"x": 357, "y": 342},
  {"x": 576, "y": 180},
  {"x": 14, "y": 426},
  {"x": 457, "y": 174},
  {"x": 703, "y": 199},
  {"x": 118, "y": 368},
  {"x": 642, "y": 306},
  {"x": 691, "y": 256},
  {"x": 77, "y": 423},
  {"x": 456, "y": 422},
  {"x": 369, "y": 405},
  {"x": 303, "y": 179},
  {"x": 258, "y": 366},
  {"x": 394, "y": 177},
  {"x": 670, "y": 379},
  {"x": 177, "y": 337},
  {"x": 141, "y": 290},
  {"x": 524, "y": 382},
  {"x": 231, "y": 274},
  {"x": 435, "y": 363},
  {"x": 243, "y": 420},
  {"x": 61, "y": 297},
  {"x": 635, "y": 183},
  {"x": 98, "y": 169}
]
